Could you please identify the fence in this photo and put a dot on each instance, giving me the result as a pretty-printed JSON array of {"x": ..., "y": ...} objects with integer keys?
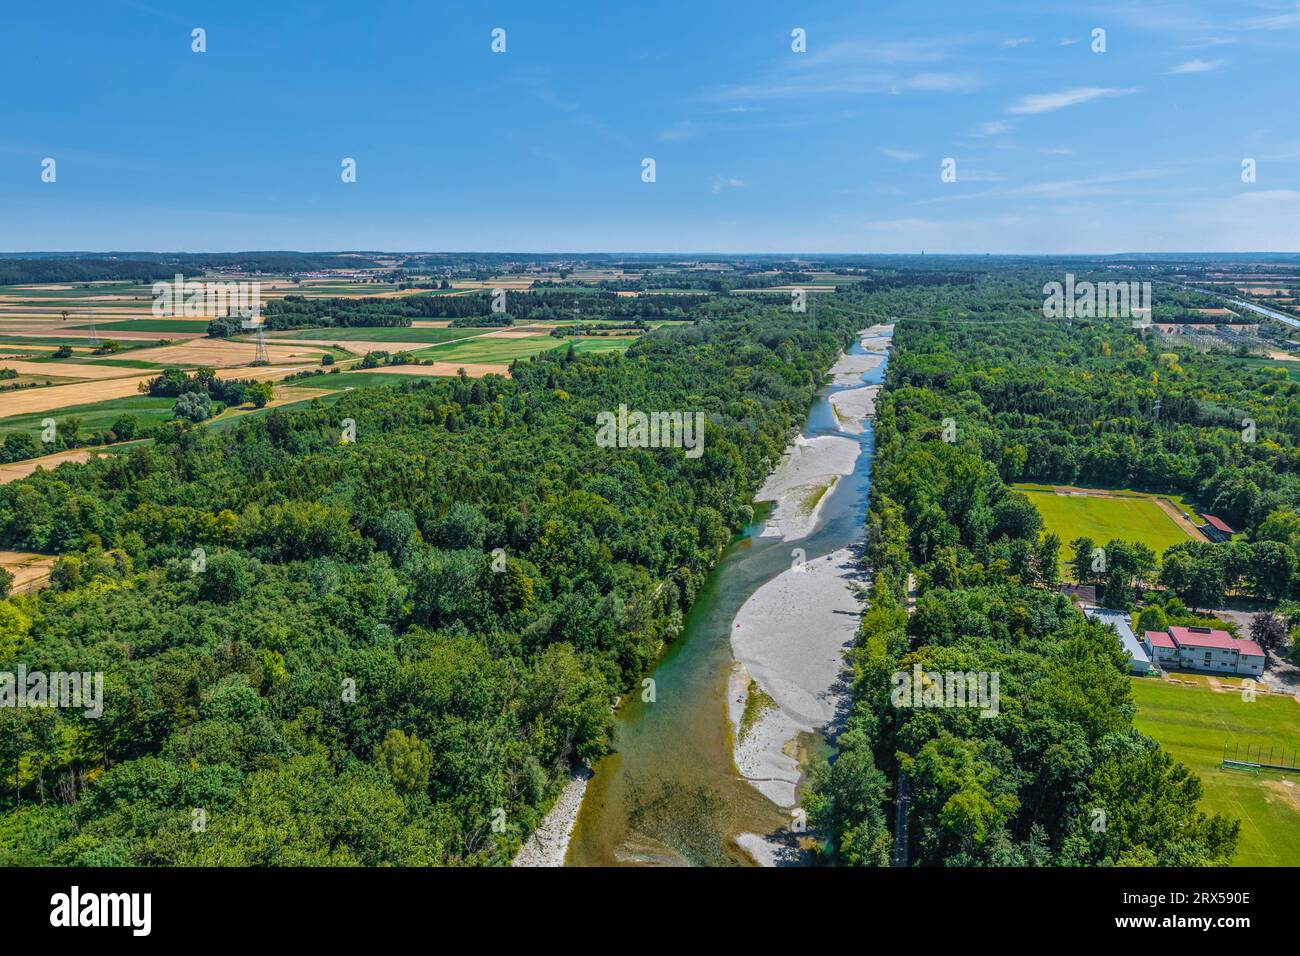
[{"x": 1261, "y": 756}]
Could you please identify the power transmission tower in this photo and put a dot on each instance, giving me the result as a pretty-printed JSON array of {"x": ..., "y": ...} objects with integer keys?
[
  {"x": 92, "y": 334},
  {"x": 250, "y": 323}
]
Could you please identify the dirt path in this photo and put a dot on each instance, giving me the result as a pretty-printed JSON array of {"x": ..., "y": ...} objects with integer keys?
[{"x": 1181, "y": 519}]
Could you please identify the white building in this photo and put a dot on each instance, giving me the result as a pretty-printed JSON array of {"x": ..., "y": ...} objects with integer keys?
[{"x": 1204, "y": 649}]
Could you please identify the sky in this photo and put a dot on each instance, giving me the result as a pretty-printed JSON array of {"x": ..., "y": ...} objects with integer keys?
[{"x": 1057, "y": 147}]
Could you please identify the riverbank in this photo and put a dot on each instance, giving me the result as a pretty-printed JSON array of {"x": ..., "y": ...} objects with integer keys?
[
  {"x": 802, "y": 482},
  {"x": 549, "y": 843},
  {"x": 853, "y": 405},
  {"x": 789, "y": 641},
  {"x": 669, "y": 793}
]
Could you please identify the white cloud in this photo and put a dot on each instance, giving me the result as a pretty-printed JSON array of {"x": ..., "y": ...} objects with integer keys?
[
  {"x": 1280, "y": 21},
  {"x": 1270, "y": 196},
  {"x": 994, "y": 127},
  {"x": 1011, "y": 44},
  {"x": 1046, "y": 102},
  {"x": 902, "y": 155},
  {"x": 942, "y": 83},
  {"x": 719, "y": 183},
  {"x": 1195, "y": 66}
]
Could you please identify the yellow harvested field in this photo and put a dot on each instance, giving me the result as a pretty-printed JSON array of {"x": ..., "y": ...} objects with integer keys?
[
  {"x": 522, "y": 333},
  {"x": 21, "y": 469},
  {"x": 68, "y": 370},
  {"x": 517, "y": 283},
  {"x": 358, "y": 347},
  {"x": 30, "y": 571},
  {"x": 222, "y": 353},
  {"x": 121, "y": 336},
  {"x": 430, "y": 323},
  {"x": 28, "y": 400}
]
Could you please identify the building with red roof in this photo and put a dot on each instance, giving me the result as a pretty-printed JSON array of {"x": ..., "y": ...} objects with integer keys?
[
  {"x": 1204, "y": 649},
  {"x": 1217, "y": 529}
]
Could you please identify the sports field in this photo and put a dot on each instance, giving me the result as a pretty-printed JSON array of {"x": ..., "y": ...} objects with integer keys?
[
  {"x": 1194, "y": 723},
  {"x": 1103, "y": 516}
]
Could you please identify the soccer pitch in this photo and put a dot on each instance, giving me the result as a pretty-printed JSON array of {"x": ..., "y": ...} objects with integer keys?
[
  {"x": 1103, "y": 517},
  {"x": 1194, "y": 723}
]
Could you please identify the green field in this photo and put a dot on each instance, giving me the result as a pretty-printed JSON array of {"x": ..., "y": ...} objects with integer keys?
[
  {"x": 352, "y": 380},
  {"x": 199, "y": 326},
  {"x": 602, "y": 344},
  {"x": 1130, "y": 518},
  {"x": 97, "y": 416},
  {"x": 372, "y": 333},
  {"x": 1194, "y": 723}
]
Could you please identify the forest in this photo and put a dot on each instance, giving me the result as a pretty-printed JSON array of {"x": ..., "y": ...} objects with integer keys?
[
  {"x": 1061, "y": 777},
  {"x": 379, "y": 632}
]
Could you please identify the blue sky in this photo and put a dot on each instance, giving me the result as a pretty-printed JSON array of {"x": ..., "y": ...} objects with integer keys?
[{"x": 757, "y": 148}]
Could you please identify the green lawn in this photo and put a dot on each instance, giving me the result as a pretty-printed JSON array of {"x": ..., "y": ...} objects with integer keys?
[
  {"x": 1194, "y": 724},
  {"x": 1137, "y": 518}
]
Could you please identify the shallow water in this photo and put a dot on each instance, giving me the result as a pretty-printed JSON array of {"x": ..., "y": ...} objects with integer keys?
[{"x": 670, "y": 792}]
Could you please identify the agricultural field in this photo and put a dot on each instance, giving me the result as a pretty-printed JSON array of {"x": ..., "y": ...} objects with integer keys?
[
  {"x": 1194, "y": 723},
  {"x": 190, "y": 326},
  {"x": 415, "y": 335},
  {"x": 96, "y": 416},
  {"x": 1103, "y": 515}
]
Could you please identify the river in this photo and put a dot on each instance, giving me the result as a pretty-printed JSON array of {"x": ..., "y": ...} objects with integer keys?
[{"x": 669, "y": 792}]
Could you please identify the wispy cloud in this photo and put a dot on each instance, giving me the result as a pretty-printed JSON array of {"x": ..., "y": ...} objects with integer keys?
[
  {"x": 1014, "y": 42},
  {"x": 1270, "y": 196},
  {"x": 902, "y": 155},
  {"x": 719, "y": 183},
  {"x": 857, "y": 67},
  {"x": 993, "y": 127},
  {"x": 1046, "y": 102},
  {"x": 1276, "y": 21},
  {"x": 1195, "y": 66}
]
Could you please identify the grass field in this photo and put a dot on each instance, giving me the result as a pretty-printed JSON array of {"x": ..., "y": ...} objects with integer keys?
[
  {"x": 370, "y": 333},
  {"x": 96, "y": 416},
  {"x": 488, "y": 351},
  {"x": 351, "y": 380},
  {"x": 1194, "y": 723},
  {"x": 196, "y": 326},
  {"x": 1129, "y": 518}
]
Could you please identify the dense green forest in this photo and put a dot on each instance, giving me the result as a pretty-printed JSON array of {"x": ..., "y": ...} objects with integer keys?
[
  {"x": 1060, "y": 776},
  {"x": 367, "y": 632},
  {"x": 155, "y": 266},
  {"x": 475, "y": 309}
]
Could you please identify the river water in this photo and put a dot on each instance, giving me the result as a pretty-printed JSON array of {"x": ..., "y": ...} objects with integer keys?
[{"x": 669, "y": 793}]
